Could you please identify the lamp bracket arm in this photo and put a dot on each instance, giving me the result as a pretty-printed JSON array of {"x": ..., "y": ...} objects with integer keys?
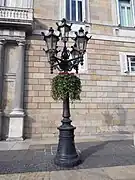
[
  {"x": 46, "y": 51},
  {"x": 55, "y": 65},
  {"x": 58, "y": 59},
  {"x": 70, "y": 60},
  {"x": 71, "y": 67}
]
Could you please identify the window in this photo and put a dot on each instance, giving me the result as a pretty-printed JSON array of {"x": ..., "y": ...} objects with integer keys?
[
  {"x": 127, "y": 62},
  {"x": 16, "y": 3},
  {"x": 75, "y": 10},
  {"x": 131, "y": 63},
  {"x": 2, "y": 2},
  {"x": 126, "y": 13}
]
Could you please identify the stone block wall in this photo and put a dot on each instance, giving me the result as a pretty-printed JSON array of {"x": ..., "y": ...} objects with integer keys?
[
  {"x": 51, "y": 10},
  {"x": 100, "y": 12},
  {"x": 107, "y": 98},
  {"x": 99, "y": 15}
]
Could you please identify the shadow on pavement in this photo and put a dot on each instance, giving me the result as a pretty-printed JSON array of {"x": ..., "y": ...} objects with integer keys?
[
  {"x": 93, "y": 154},
  {"x": 90, "y": 150}
]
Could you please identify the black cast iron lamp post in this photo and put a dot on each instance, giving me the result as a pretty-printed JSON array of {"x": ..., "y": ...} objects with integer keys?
[{"x": 66, "y": 155}]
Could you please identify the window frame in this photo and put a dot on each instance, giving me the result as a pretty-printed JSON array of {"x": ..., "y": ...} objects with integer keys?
[
  {"x": 124, "y": 60},
  {"x": 129, "y": 62},
  {"x": 23, "y": 4},
  {"x": 126, "y": 6},
  {"x": 86, "y": 13},
  {"x": 77, "y": 10},
  {"x": 118, "y": 13},
  {"x": 2, "y": 3}
]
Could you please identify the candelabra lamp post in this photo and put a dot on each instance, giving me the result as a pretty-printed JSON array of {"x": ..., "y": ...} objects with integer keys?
[{"x": 65, "y": 61}]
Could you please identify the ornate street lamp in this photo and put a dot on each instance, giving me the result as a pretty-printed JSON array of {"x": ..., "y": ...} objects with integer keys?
[{"x": 66, "y": 153}]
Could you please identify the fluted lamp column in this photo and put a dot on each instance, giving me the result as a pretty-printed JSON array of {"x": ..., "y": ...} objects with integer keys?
[{"x": 17, "y": 115}]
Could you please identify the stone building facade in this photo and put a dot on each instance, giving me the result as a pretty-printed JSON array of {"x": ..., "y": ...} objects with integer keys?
[{"x": 108, "y": 75}]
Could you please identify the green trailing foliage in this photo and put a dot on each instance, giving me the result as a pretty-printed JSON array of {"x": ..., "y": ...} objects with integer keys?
[{"x": 66, "y": 84}]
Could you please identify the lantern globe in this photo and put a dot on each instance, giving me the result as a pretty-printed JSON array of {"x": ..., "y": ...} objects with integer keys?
[
  {"x": 51, "y": 39},
  {"x": 64, "y": 29},
  {"x": 74, "y": 52},
  {"x": 81, "y": 40}
]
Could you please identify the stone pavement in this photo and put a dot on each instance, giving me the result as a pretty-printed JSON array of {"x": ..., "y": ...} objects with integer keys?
[
  {"x": 108, "y": 173},
  {"x": 111, "y": 159},
  {"x": 4, "y": 146}
]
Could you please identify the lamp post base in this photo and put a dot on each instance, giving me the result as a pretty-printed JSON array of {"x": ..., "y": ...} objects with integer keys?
[{"x": 66, "y": 155}]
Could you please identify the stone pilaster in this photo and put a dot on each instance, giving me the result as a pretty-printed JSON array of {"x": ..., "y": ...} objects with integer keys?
[
  {"x": 1, "y": 81},
  {"x": 17, "y": 115}
]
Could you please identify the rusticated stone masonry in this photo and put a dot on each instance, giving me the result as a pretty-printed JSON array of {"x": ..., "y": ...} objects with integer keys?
[{"x": 107, "y": 98}]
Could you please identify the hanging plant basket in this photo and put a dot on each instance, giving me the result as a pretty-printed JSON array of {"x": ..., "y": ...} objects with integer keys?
[{"x": 66, "y": 84}]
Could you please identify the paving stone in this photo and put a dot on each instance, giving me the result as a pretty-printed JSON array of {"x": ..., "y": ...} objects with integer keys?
[
  {"x": 20, "y": 146},
  {"x": 79, "y": 175},
  {"x": 20, "y": 155},
  {"x": 48, "y": 152},
  {"x": 10, "y": 177},
  {"x": 35, "y": 176},
  {"x": 38, "y": 146},
  {"x": 121, "y": 173},
  {"x": 6, "y": 145},
  {"x": 5, "y": 156}
]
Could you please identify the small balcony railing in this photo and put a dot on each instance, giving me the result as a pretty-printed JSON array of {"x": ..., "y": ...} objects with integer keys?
[{"x": 16, "y": 15}]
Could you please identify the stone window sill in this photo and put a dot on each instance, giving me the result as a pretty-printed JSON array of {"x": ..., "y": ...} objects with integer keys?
[{"x": 124, "y": 31}]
